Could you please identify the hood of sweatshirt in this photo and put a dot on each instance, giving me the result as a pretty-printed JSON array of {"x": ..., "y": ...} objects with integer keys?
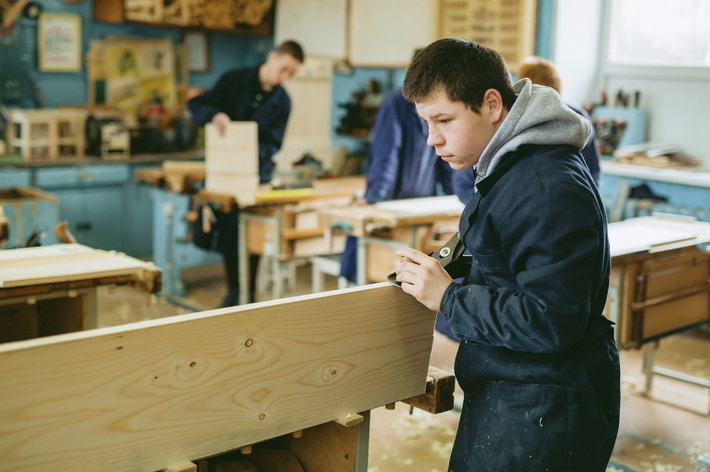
[{"x": 538, "y": 116}]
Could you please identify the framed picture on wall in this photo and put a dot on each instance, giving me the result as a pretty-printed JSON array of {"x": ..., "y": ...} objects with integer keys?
[
  {"x": 59, "y": 42},
  {"x": 197, "y": 50}
]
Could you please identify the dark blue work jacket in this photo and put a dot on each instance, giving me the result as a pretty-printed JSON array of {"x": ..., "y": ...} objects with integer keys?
[
  {"x": 537, "y": 361},
  {"x": 238, "y": 94}
]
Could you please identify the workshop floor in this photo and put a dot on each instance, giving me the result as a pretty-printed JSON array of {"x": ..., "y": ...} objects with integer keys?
[{"x": 662, "y": 432}]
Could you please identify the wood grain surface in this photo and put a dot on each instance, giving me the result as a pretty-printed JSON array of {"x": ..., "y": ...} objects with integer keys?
[{"x": 147, "y": 394}]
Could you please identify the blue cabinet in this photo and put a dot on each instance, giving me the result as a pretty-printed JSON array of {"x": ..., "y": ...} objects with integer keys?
[
  {"x": 91, "y": 200},
  {"x": 102, "y": 202},
  {"x": 173, "y": 249},
  {"x": 29, "y": 211},
  {"x": 11, "y": 177},
  {"x": 138, "y": 199}
]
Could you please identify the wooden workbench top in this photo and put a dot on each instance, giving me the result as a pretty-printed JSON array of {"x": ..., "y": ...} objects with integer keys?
[
  {"x": 655, "y": 234},
  {"x": 393, "y": 214},
  {"x": 27, "y": 269}
]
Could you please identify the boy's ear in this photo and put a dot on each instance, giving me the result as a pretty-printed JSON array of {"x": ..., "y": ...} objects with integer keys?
[{"x": 493, "y": 101}]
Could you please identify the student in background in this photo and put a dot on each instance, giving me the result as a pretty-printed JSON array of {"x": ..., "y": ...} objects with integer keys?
[
  {"x": 537, "y": 360},
  {"x": 246, "y": 94},
  {"x": 400, "y": 165},
  {"x": 541, "y": 72}
]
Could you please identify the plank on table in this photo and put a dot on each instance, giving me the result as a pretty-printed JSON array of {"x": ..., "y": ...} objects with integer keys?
[
  {"x": 143, "y": 395},
  {"x": 64, "y": 263}
]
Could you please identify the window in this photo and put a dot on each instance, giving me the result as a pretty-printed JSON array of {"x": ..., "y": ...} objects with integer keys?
[{"x": 660, "y": 33}]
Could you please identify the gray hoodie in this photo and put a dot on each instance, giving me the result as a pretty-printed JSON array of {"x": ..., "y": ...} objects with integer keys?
[{"x": 538, "y": 116}]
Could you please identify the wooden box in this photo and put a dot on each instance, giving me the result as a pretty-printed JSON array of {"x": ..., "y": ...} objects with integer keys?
[{"x": 46, "y": 134}]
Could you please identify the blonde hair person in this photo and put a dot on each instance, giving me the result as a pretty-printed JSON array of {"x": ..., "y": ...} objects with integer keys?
[{"x": 541, "y": 71}]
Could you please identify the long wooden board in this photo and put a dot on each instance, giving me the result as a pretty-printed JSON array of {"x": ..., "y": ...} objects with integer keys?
[{"x": 143, "y": 395}]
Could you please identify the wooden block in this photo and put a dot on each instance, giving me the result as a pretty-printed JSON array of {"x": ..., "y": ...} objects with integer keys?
[
  {"x": 139, "y": 395},
  {"x": 439, "y": 395},
  {"x": 181, "y": 466},
  {"x": 237, "y": 152},
  {"x": 350, "y": 419}
]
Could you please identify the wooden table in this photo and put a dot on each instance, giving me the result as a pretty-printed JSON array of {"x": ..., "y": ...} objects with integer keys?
[
  {"x": 279, "y": 211},
  {"x": 291, "y": 214},
  {"x": 660, "y": 283},
  {"x": 52, "y": 289},
  {"x": 383, "y": 227}
]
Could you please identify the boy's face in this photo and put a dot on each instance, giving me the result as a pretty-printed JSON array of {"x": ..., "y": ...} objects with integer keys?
[
  {"x": 277, "y": 69},
  {"x": 458, "y": 134}
]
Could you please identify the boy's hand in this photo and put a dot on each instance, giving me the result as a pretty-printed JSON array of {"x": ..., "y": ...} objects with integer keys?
[
  {"x": 423, "y": 277},
  {"x": 221, "y": 120}
]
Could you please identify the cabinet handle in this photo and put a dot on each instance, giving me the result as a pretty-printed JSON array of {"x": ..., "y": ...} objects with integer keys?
[{"x": 83, "y": 226}]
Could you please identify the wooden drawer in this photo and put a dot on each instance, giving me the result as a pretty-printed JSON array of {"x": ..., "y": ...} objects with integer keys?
[{"x": 660, "y": 294}]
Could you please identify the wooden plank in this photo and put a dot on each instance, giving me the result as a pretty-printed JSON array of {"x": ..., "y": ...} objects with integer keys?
[
  {"x": 235, "y": 152},
  {"x": 68, "y": 262},
  {"x": 144, "y": 395}
]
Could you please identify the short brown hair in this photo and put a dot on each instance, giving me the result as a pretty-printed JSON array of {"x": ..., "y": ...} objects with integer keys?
[
  {"x": 462, "y": 69},
  {"x": 293, "y": 49},
  {"x": 540, "y": 71}
]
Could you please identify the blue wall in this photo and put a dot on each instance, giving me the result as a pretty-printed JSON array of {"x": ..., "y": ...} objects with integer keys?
[
  {"x": 18, "y": 60},
  {"x": 18, "y": 54}
]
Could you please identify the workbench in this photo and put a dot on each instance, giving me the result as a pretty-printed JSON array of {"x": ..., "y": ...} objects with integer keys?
[
  {"x": 296, "y": 376},
  {"x": 659, "y": 284},
  {"x": 288, "y": 213},
  {"x": 50, "y": 290},
  {"x": 383, "y": 227},
  {"x": 293, "y": 215}
]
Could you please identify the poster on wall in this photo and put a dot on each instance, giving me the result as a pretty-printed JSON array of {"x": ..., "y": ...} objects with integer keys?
[
  {"x": 138, "y": 73},
  {"x": 59, "y": 42}
]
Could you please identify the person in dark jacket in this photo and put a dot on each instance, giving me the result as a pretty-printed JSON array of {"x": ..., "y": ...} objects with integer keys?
[
  {"x": 541, "y": 72},
  {"x": 247, "y": 94},
  {"x": 400, "y": 165},
  {"x": 537, "y": 360}
]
